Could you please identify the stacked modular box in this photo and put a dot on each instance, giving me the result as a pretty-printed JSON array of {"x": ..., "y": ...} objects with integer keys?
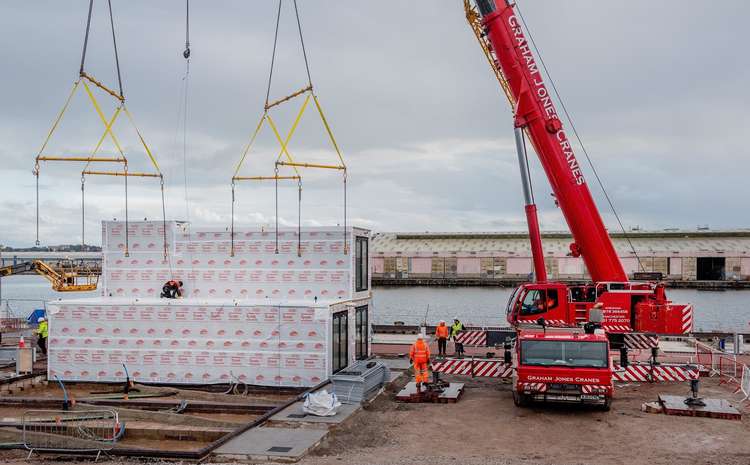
[{"x": 255, "y": 316}]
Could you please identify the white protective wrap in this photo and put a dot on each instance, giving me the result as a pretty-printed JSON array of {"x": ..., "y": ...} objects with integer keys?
[{"x": 188, "y": 343}]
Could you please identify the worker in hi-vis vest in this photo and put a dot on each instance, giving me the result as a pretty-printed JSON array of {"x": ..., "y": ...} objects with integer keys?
[
  {"x": 441, "y": 334},
  {"x": 43, "y": 332},
  {"x": 419, "y": 355},
  {"x": 456, "y": 328}
]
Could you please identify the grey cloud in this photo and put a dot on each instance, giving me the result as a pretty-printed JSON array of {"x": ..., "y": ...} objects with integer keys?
[{"x": 657, "y": 91}]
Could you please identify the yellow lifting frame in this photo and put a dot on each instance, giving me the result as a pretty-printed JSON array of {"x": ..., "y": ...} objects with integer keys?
[
  {"x": 108, "y": 124},
  {"x": 284, "y": 150}
]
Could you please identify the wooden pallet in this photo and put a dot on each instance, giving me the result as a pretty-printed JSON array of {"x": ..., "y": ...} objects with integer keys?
[
  {"x": 714, "y": 408},
  {"x": 450, "y": 394}
]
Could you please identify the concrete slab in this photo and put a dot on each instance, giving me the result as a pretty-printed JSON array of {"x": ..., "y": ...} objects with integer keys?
[
  {"x": 294, "y": 414},
  {"x": 266, "y": 443}
]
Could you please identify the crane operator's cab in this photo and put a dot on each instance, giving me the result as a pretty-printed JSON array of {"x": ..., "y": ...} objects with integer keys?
[{"x": 626, "y": 306}]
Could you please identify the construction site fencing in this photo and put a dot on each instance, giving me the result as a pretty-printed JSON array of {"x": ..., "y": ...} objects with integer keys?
[
  {"x": 71, "y": 431},
  {"x": 726, "y": 366}
]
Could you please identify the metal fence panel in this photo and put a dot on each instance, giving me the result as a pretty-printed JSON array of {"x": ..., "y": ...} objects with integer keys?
[{"x": 70, "y": 431}]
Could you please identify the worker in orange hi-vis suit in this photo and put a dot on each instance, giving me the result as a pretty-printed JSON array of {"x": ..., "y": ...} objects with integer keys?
[
  {"x": 441, "y": 334},
  {"x": 419, "y": 355}
]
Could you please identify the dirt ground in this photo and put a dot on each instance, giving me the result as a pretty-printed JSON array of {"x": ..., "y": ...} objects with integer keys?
[{"x": 484, "y": 427}]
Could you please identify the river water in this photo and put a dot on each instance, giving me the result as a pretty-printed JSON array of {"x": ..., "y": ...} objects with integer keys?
[{"x": 482, "y": 306}]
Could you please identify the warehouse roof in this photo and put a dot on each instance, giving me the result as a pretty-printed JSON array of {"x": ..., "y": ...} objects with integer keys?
[{"x": 668, "y": 242}]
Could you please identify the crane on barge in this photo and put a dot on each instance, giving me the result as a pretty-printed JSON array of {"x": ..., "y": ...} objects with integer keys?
[{"x": 626, "y": 306}]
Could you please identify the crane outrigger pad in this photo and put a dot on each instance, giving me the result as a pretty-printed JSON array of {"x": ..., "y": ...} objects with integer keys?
[
  {"x": 445, "y": 395},
  {"x": 712, "y": 408}
]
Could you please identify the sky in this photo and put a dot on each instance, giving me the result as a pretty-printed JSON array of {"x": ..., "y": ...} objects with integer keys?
[{"x": 657, "y": 91}]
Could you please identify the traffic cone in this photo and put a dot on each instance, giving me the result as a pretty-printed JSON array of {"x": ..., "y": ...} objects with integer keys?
[{"x": 21, "y": 343}]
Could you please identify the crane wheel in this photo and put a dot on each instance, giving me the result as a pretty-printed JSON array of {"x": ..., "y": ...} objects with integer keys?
[{"x": 521, "y": 400}]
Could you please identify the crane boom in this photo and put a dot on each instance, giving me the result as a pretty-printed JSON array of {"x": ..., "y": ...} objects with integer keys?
[{"x": 535, "y": 111}]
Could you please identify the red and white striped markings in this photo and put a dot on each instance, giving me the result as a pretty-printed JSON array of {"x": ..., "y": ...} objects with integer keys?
[
  {"x": 687, "y": 318},
  {"x": 472, "y": 338},
  {"x": 468, "y": 367},
  {"x": 594, "y": 388},
  {"x": 655, "y": 373},
  {"x": 532, "y": 387},
  {"x": 613, "y": 328},
  {"x": 641, "y": 341}
]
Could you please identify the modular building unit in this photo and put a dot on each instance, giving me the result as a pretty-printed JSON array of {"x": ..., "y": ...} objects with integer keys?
[
  {"x": 262, "y": 308},
  {"x": 184, "y": 341}
]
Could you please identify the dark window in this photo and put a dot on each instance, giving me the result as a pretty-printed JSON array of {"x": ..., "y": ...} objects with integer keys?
[
  {"x": 565, "y": 353},
  {"x": 362, "y": 332},
  {"x": 340, "y": 341},
  {"x": 362, "y": 264}
]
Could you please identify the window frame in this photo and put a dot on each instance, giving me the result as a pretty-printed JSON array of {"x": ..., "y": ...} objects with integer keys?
[
  {"x": 339, "y": 322},
  {"x": 362, "y": 263},
  {"x": 361, "y": 332}
]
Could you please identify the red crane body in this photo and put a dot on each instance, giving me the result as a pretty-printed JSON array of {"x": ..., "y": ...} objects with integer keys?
[{"x": 626, "y": 306}]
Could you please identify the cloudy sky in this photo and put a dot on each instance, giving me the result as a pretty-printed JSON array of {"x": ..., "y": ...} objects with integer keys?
[{"x": 658, "y": 91}]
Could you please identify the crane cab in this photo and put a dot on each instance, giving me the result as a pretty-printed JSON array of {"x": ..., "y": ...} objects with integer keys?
[{"x": 532, "y": 301}]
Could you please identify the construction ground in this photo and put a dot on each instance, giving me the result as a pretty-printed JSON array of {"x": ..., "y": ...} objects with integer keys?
[{"x": 485, "y": 427}]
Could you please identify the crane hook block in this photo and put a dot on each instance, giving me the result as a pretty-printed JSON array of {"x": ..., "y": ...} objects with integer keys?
[{"x": 186, "y": 53}]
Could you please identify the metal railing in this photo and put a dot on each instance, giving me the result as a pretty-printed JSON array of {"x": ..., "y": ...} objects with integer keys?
[
  {"x": 71, "y": 431},
  {"x": 726, "y": 366}
]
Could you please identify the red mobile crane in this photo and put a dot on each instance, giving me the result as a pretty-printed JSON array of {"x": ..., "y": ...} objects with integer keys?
[{"x": 626, "y": 306}]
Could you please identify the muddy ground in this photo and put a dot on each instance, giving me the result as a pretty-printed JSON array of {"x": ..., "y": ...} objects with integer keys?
[{"x": 485, "y": 427}]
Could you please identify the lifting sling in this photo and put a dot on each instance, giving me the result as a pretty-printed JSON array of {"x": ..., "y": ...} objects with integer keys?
[
  {"x": 284, "y": 157},
  {"x": 87, "y": 81}
]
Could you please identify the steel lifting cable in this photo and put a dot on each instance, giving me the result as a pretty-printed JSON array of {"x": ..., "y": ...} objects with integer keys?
[
  {"x": 86, "y": 37},
  {"x": 299, "y": 217},
  {"x": 127, "y": 243},
  {"x": 114, "y": 43},
  {"x": 268, "y": 95},
  {"x": 580, "y": 141},
  {"x": 276, "y": 215},
  {"x": 231, "y": 231},
  {"x": 273, "y": 53},
  {"x": 302, "y": 42},
  {"x": 186, "y": 79},
  {"x": 83, "y": 214}
]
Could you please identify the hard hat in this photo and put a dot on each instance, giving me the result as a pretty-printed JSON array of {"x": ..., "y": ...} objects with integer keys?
[
  {"x": 442, "y": 321},
  {"x": 40, "y": 319},
  {"x": 455, "y": 318},
  {"x": 420, "y": 336}
]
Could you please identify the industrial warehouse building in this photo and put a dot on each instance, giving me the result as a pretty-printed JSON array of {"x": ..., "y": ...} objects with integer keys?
[{"x": 680, "y": 256}]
